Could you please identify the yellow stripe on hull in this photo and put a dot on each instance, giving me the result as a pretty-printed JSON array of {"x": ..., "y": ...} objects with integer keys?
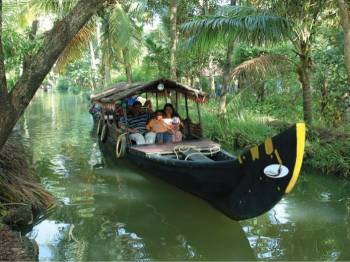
[{"x": 299, "y": 155}]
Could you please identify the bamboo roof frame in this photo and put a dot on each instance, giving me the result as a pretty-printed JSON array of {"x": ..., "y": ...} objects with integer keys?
[{"x": 124, "y": 90}]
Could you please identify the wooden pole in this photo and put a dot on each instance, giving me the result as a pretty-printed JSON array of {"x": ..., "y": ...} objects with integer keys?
[
  {"x": 186, "y": 104},
  {"x": 157, "y": 100},
  {"x": 126, "y": 124},
  {"x": 176, "y": 102},
  {"x": 199, "y": 118},
  {"x": 187, "y": 116}
]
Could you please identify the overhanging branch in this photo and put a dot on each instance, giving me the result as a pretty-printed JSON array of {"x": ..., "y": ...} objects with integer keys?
[{"x": 55, "y": 41}]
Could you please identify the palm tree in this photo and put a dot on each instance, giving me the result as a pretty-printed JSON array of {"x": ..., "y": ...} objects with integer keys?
[
  {"x": 122, "y": 38},
  {"x": 231, "y": 24},
  {"x": 173, "y": 38},
  {"x": 345, "y": 22},
  {"x": 39, "y": 64}
]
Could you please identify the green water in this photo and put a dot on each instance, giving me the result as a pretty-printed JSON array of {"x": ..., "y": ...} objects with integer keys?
[{"x": 110, "y": 210}]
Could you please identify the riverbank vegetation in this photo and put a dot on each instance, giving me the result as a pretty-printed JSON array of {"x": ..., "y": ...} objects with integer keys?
[
  {"x": 264, "y": 63},
  {"x": 21, "y": 197}
]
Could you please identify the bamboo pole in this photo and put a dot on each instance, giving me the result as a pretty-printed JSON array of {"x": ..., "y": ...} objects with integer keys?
[
  {"x": 199, "y": 118},
  {"x": 187, "y": 116}
]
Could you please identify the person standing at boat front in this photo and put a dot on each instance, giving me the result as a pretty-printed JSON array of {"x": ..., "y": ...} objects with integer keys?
[{"x": 137, "y": 126}]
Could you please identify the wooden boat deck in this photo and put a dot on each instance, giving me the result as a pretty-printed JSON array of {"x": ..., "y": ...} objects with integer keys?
[{"x": 200, "y": 144}]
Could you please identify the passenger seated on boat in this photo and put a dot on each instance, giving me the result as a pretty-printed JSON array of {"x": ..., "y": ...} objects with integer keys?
[
  {"x": 137, "y": 126},
  {"x": 148, "y": 106},
  {"x": 172, "y": 119},
  {"x": 158, "y": 126},
  {"x": 130, "y": 105},
  {"x": 95, "y": 108}
]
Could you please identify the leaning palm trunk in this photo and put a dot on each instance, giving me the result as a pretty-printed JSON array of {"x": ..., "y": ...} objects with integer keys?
[
  {"x": 37, "y": 66},
  {"x": 345, "y": 22}
]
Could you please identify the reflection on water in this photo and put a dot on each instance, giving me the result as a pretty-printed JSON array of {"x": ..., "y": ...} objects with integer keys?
[
  {"x": 112, "y": 211},
  {"x": 312, "y": 223}
]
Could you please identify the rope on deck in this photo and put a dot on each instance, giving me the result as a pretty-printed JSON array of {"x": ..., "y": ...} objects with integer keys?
[{"x": 184, "y": 149}]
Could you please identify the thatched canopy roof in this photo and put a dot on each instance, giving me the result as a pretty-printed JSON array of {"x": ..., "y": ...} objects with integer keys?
[{"x": 124, "y": 90}]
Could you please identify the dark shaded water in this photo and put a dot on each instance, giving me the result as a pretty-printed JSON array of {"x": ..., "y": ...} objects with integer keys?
[{"x": 111, "y": 210}]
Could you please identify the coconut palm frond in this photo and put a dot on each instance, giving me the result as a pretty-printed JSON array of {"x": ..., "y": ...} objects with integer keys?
[
  {"x": 76, "y": 47},
  {"x": 262, "y": 66},
  {"x": 52, "y": 6},
  {"x": 249, "y": 24},
  {"x": 121, "y": 33},
  {"x": 122, "y": 28}
]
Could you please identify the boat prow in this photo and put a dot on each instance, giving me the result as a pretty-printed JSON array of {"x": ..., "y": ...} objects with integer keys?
[{"x": 269, "y": 171}]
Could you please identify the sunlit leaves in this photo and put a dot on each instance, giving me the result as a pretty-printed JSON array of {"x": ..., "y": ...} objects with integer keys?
[{"x": 76, "y": 47}]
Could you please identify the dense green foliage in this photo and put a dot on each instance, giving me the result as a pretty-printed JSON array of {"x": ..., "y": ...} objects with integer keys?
[{"x": 131, "y": 41}]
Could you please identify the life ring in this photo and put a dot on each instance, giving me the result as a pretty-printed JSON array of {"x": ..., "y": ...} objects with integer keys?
[
  {"x": 99, "y": 126},
  {"x": 104, "y": 133},
  {"x": 120, "y": 146}
]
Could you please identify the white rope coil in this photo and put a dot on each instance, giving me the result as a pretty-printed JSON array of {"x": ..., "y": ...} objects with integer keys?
[{"x": 184, "y": 149}]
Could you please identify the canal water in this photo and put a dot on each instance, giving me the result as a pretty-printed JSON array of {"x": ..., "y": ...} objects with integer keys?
[{"x": 111, "y": 210}]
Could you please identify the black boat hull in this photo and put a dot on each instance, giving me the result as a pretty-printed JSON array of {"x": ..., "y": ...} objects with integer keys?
[{"x": 238, "y": 187}]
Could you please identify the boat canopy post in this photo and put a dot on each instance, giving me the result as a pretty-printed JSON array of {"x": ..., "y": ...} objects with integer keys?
[
  {"x": 187, "y": 116},
  {"x": 126, "y": 123},
  {"x": 157, "y": 100},
  {"x": 199, "y": 116},
  {"x": 146, "y": 95},
  {"x": 176, "y": 102}
]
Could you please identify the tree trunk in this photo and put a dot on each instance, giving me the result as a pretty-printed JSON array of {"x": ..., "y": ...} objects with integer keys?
[
  {"x": 210, "y": 57},
  {"x": 128, "y": 72},
  {"x": 36, "y": 67},
  {"x": 345, "y": 22},
  {"x": 3, "y": 82},
  {"x": 261, "y": 91},
  {"x": 211, "y": 76},
  {"x": 303, "y": 71},
  {"x": 173, "y": 39},
  {"x": 226, "y": 79},
  {"x": 106, "y": 53},
  {"x": 107, "y": 74},
  {"x": 227, "y": 74},
  {"x": 127, "y": 66}
]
